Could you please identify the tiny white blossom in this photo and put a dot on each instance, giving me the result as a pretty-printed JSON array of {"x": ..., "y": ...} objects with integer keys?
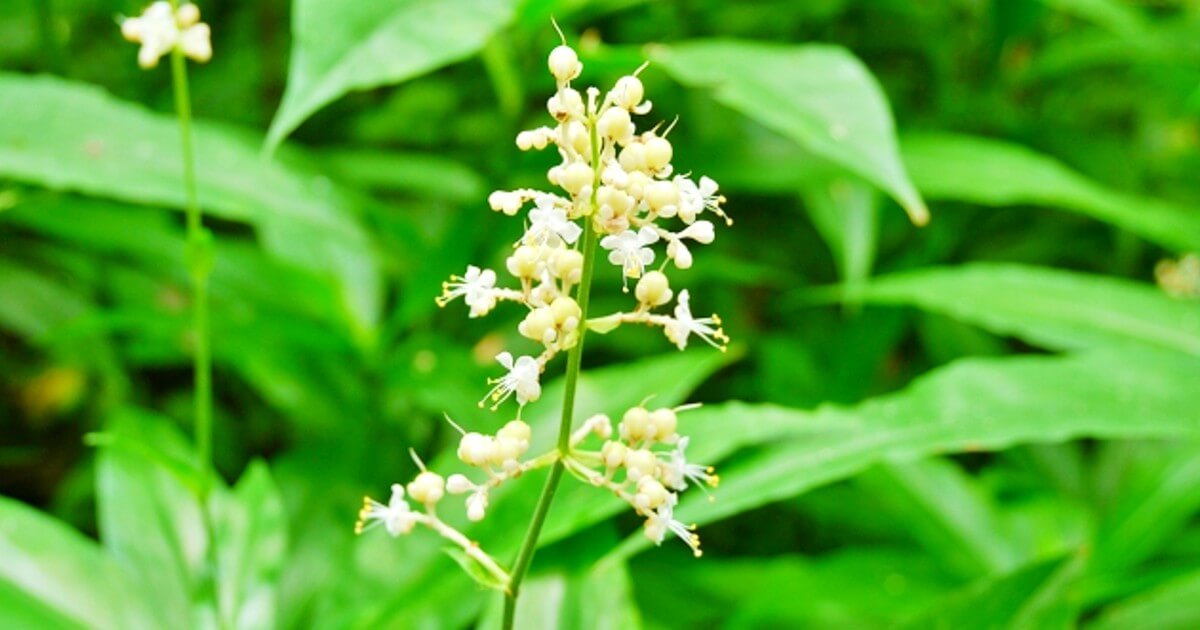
[
  {"x": 695, "y": 199},
  {"x": 522, "y": 379},
  {"x": 549, "y": 225},
  {"x": 677, "y": 471},
  {"x": 700, "y": 231},
  {"x": 683, "y": 325},
  {"x": 160, "y": 30},
  {"x": 662, "y": 520},
  {"x": 397, "y": 517},
  {"x": 477, "y": 288},
  {"x": 629, "y": 250}
]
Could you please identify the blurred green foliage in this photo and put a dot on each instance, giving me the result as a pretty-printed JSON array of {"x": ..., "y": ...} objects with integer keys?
[{"x": 990, "y": 421}]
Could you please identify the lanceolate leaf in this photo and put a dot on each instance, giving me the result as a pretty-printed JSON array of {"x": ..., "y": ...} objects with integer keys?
[
  {"x": 1056, "y": 309},
  {"x": 998, "y": 173},
  {"x": 338, "y": 47},
  {"x": 65, "y": 135},
  {"x": 819, "y": 96}
]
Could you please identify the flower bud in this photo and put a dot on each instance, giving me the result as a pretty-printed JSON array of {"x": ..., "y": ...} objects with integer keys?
[
  {"x": 505, "y": 201},
  {"x": 568, "y": 265},
  {"x": 538, "y": 325},
  {"x": 658, "y": 153},
  {"x": 613, "y": 454},
  {"x": 615, "y": 124},
  {"x": 634, "y": 424},
  {"x": 564, "y": 63},
  {"x": 477, "y": 506},
  {"x": 188, "y": 15},
  {"x": 566, "y": 104},
  {"x": 640, "y": 463},
  {"x": 633, "y": 157},
  {"x": 663, "y": 197},
  {"x": 427, "y": 488},
  {"x": 653, "y": 289},
  {"x": 566, "y": 312},
  {"x": 628, "y": 92},
  {"x": 475, "y": 449},
  {"x": 517, "y": 431},
  {"x": 664, "y": 422},
  {"x": 575, "y": 176},
  {"x": 650, "y": 493},
  {"x": 524, "y": 261},
  {"x": 458, "y": 484}
]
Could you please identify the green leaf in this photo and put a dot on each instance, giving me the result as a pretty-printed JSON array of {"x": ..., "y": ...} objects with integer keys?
[
  {"x": 71, "y": 136},
  {"x": 339, "y": 47},
  {"x": 474, "y": 570},
  {"x": 971, "y": 405},
  {"x": 251, "y": 535},
  {"x": 845, "y": 212},
  {"x": 998, "y": 173},
  {"x": 1053, "y": 308},
  {"x": 1036, "y": 596},
  {"x": 45, "y": 306},
  {"x": 1170, "y": 606},
  {"x": 819, "y": 96},
  {"x": 53, "y": 575},
  {"x": 149, "y": 520}
]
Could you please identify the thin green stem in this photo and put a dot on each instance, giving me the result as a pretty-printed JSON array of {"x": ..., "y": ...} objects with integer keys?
[{"x": 574, "y": 366}]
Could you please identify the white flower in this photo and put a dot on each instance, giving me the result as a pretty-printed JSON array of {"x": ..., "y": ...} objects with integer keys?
[
  {"x": 396, "y": 516},
  {"x": 522, "y": 379},
  {"x": 160, "y": 30},
  {"x": 628, "y": 249},
  {"x": 549, "y": 225},
  {"x": 695, "y": 199},
  {"x": 477, "y": 288},
  {"x": 662, "y": 520},
  {"x": 700, "y": 231},
  {"x": 683, "y": 325},
  {"x": 677, "y": 471}
]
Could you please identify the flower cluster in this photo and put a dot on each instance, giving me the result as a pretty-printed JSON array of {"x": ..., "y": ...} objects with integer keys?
[
  {"x": 1181, "y": 278},
  {"x": 161, "y": 30},
  {"x": 617, "y": 182},
  {"x": 616, "y": 190}
]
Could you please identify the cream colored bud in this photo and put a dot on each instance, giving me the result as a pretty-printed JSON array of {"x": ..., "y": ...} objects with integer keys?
[
  {"x": 506, "y": 451},
  {"x": 653, "y": 289},
  {"x": 628, "y": 92},
  {"x": 613, "y": 454},
  {"x": 188, "y": 15},
  {"x": 538, "y": 324},
  {"x": 564, "y": 63},
  {"x": 524, "y": 261},
  {"x": 617, "y": 199},
  {"x": 516, "y": 430},
  {"x": 579, "y": 139},
  {"x": 477, "y": 506},
  {"x": 131, "y": 29},
  {"x": 658, "y": 153},
  {"x": 566, "y": 104},
  {"x": 641, "y": 463},
  {"x": 635, "y": 424},
  {"x": 665, "y": 423},
  {"x": 633, "y": 157},
  {"x": 475, "y": 449},
  {"x": 427, "y": 488},
  {"x": 650, "y": 493},
  {"x": 575, "y": 176},
  {"x": 662, "y": 194},
  {"x": 615, "y": 124},
  {"x": 458, "y": 484},
  {"x": 568, "y": 265},
  {"x": 566, "y": 310},
  {"x": 505, "y": 201}
]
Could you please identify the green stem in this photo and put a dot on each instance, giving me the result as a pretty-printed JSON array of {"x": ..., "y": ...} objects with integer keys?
[{"x": 574, "y": 365}]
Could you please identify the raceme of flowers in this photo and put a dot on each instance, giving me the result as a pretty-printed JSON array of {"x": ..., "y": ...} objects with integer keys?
[
  {"x": 619, "y": 183},
  {"x": 161, "y": 30}
]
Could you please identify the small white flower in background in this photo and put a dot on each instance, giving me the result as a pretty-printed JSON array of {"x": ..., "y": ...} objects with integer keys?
[
  {"x": 548, "y": 224},
  {"x": 477, "y": 288},
  {"x": 397, "y": 517},
  {"x": 677, "y": 472},
  {"x": 160, "y": 31},
  {"x": 683, "y": 325},
  {"x": 662, "y": 520},
  {"x": 695, "y": 199},
  {"x": 522, "y": 380}
]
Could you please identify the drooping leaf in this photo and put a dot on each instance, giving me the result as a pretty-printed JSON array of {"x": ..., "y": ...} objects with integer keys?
[
  {"x": 71, "y": 136},
  {"x": 1057, "y": 309},
  {"x": 1170, "y": 606},
  {"x": 251, "y": 535},
  {"x": 51, "y": 574},
  {"x": 845, "y": 212},
  {"x": 999, "y": 173},
  {"x": 819, "y": 96},
  {"x": 339, "y": 47}
]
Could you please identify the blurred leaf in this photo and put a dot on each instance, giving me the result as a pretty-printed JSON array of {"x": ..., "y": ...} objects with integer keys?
[
  {"x": 846, "y": 214},
  {"x": 972, "y": 405},
  {"x": 1035, "y": 596},
  {"x": 251, "y": 536},
  {"x": 474, "y": 570},
  {"x": 339, "y": 47},
  {"x": 149, "y": 520},
  {"x": 947, "y": 512},
  {"x": 819, "y": 96},
  {"x": 1170, "y": 606},
  {"x": 39, "y": 306},
  {"x": 998, "y": 173},
  {"x": 51, "y": 576},
  {"x": 420, "y": 174},
  {"x": 1053, "y": 308},
  {"x": 72, "y": 136},
  {"x": 1115, "y": 16}
]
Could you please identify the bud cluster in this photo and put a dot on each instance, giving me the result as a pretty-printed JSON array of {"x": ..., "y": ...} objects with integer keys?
[{"x": 161, "y": 30}]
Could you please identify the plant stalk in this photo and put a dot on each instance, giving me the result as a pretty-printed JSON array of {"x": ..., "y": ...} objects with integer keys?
[{"x": 574, "y": 363}]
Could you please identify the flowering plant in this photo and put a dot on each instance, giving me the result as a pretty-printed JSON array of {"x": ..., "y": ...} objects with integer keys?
[{"x": 620, "y": 192}]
